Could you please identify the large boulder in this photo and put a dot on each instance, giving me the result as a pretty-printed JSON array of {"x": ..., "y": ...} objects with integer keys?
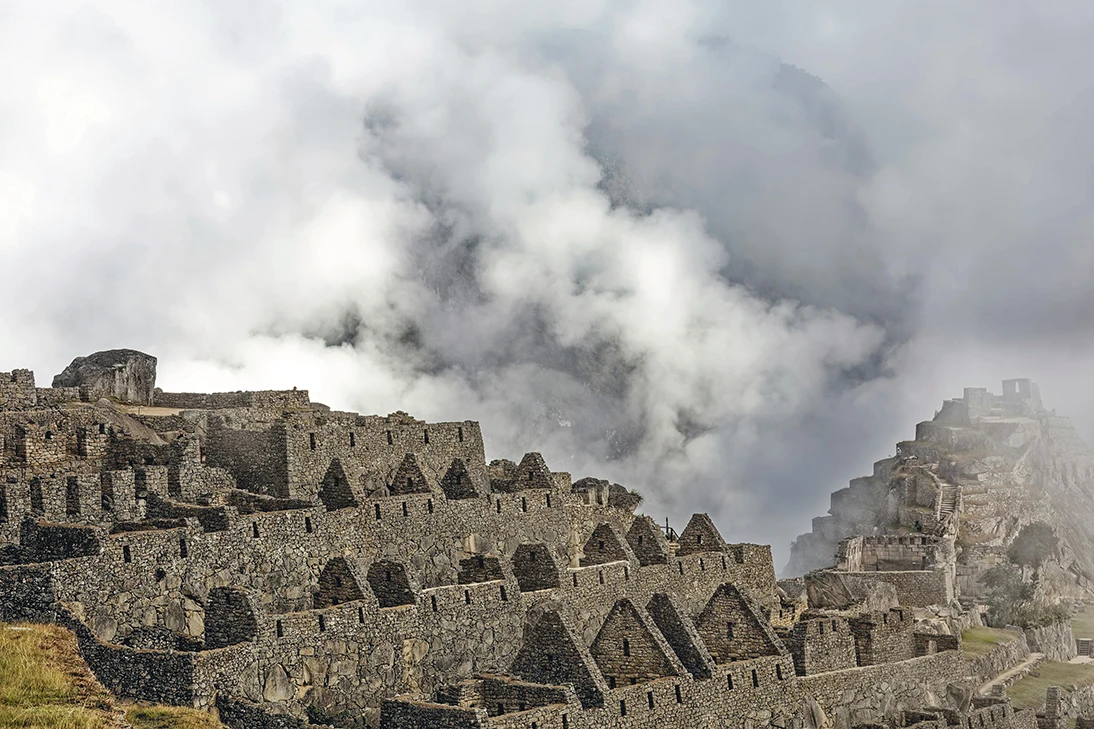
[{"x": 125, "y": 375}]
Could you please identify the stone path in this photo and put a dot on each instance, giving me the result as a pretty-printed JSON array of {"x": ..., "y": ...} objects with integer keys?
[{"x": 1005, "y": 676}]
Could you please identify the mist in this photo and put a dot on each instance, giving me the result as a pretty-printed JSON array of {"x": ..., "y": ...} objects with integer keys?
[{"x": 726, "y": 254}]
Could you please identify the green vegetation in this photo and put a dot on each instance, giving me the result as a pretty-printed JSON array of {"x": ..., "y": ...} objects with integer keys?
[
  {"x": 1030, "y": 691},
  {"x": 1010, "y": 600},
  {"x": 978, "y": 641},
  {"x": 1034, "y": 544},
  {"x": 44, "y": 684}
]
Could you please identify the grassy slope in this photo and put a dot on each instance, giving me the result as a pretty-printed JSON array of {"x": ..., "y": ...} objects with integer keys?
[
  {"x": 1083, "y": 623},
  {"x": 1030, "y": 691},
  {"x": 44, "y": 684},
  {"x": 978, "y": 641}
]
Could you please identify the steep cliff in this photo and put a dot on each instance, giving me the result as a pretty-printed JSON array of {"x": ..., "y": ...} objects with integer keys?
[{"x": 983, "y": 468}]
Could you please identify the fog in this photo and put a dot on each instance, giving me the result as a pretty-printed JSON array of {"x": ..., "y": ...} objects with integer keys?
[{"x": 726, "y": 254}]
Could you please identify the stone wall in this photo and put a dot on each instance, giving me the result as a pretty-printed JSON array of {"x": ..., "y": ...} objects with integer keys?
[
  {"x": 1056, "y": 641},
  {"x": 913, "y": 588},
  {"x": 17, "y": 390},
  {"x": 820, "y": 644},
  {"x": 883, "y": 637},
  {"x": 264, "y": 399}
]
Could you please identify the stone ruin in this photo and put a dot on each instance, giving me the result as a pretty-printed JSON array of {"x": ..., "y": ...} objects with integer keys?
[{"x": 283, "y": 564}]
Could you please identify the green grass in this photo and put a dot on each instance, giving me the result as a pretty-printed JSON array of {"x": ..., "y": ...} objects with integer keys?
[
  {"x": 978, "y": 641},
  {"x": 1030, "y": 691},
  {"x": 1083, "y": 623},
  {"x": 44, "y": 684}
]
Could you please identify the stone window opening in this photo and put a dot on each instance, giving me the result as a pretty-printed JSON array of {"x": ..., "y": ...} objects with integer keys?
[
  {"x": 679, "y": 698},
  {"x": 833, "y": 626},
  {"x": 548, "y": 501},
  {"x": 405, "y": 512},
  {"x": 779, "y": 671},
  {"x": 611, "y": 682},
  {"x": 601, "y": 545},
  {"x": 565, "y": 721},
  {"x": 523, "y": 504},
  {"x": 72, "y": 496},
  {"x": 821, "y": 626},
  {"x": 504, "y": 596},
  {"x": 699, "y": 539},
  {"x": 626, "y": 573},
  {"x": 680, "y": 567},
  {"x": 184, "y": 551},
  {"x": 467, "y": 596},
  {"x": 352, "y": 439},
  {"x": 622, "y": 707},
  {"x": 600, "y": 576},
  {"x": 499, "y": 506},
  {"x": 361, "y": 615},
  {"x": 254, "y": 530},
  {"x": 702, "y": 566},
  {"x": 307, "y": 524},
  {"x": 641, "y": 539},
  {"x": 49, "y": 435},
  {"x": 322, "y": 624},
  {"x": 649, "y": 698},
  {"x": 755, "y": 679},
  {"x": 531, "y": 475},
  {"x": 425, "y": 437},
  {"x": 429, "y": 505},
  {"x": 126, "y": 554},
  {"x": 377, "y": 512},
  {"x": 279, "y": 630},
  {"x": 459, "y": 434},
  {"x": 410, "y": 483},
  {"x": 102, "y": 428},
  {"x": 337, "y": 581},
  {"x": 387, "y": 576},
  {"x": 390, "y": 441},
  {"x": 501, "y": 708},
  {"x": 575, "y": 579},
  {"x": 626, "y": 647},
  {"x": 729, "y": 680},
  {"x": 885, "y": 618},
  {"x": 723, "y": 564},
  {"x": 433, "y": 602},
  {"x": 729, "y": 630},
  {"x": 311, "y": 440}
]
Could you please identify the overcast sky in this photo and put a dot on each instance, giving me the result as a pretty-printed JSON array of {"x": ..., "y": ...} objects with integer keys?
[{"x": 726, "y": 253}]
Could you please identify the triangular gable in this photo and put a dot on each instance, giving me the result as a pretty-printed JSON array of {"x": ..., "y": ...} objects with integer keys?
[
  {"x": 409, "y": 478},
  {"x": 532, "y": 473},
  {"x": 648, "y": 542},
  {"x": 628, "y": 650},
  {"x": 337, "y": 585},
  {"x": 681, "y": 635},
  {"x": 552, "y": 655},
  {"x": 733, "y": 628},
  {"x": 700, "y": 535},
  {"x": 457, "y": 483},
  {"x": 603, "y": 546},
  {"x": 334, "y": 490}
]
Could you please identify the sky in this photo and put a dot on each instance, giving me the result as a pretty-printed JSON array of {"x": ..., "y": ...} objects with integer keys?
[{"x": 724, "y": 253}]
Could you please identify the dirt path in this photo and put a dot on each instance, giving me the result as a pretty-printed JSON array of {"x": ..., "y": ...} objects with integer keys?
[{"x": 1033, "y": 660}]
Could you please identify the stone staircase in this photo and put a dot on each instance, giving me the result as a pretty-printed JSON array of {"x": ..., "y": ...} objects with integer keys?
[{"x": 947, "y": 508}]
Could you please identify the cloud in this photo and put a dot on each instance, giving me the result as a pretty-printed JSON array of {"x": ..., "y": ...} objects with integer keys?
[{"x": 633, "y": 239}]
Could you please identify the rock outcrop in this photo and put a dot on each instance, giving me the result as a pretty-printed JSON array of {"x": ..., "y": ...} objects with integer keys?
[{"x": 120, "y": 374}]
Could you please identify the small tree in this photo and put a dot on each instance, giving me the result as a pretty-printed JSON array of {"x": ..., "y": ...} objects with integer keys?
[
  {"x": 1007, "y": 593},
  {"x": 1035, "y": 543}
]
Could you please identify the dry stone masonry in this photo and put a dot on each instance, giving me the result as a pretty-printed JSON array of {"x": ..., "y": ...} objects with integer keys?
[{"x": 287, "y": 565}]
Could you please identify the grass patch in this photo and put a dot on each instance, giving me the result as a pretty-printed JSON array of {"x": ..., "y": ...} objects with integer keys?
[
  {"x": 1030, "y": 691},
  {"x": 45, "y": 684},
  {"x": 1083, "y": 623},
  {"x": 978, "y": 641}
]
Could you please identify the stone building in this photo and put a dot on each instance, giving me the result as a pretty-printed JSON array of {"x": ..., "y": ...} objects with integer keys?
[{"x": 294, "y": 565}]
